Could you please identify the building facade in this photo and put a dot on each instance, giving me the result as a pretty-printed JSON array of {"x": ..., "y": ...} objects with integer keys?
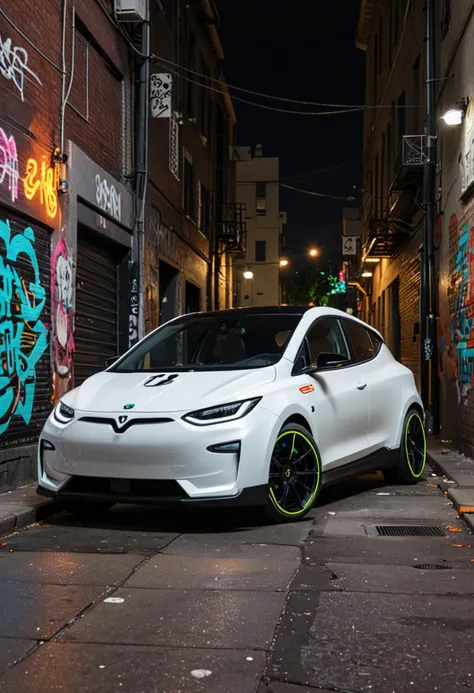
[
  {"x": 391, "y": 32},
  {"x": 258, "y": 191},
  {"x": 108, "y": 215},
  {"x": 455, "y": 230}
]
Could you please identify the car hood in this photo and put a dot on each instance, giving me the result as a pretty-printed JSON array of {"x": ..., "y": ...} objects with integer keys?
[{"x": 169, "y": 392}]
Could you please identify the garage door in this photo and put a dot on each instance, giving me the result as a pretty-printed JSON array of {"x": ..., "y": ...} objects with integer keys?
[{"x": 96, "y": 332}]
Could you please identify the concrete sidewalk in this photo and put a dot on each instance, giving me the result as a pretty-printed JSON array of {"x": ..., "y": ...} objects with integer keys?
[
  {"x": 459, "y": 473},
  {"x": 22, "y": 507}
]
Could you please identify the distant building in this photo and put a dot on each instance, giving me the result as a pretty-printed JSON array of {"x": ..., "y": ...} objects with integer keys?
[
  {"x": 392, "y": 35},
  {"x": 257, "y": 188}
]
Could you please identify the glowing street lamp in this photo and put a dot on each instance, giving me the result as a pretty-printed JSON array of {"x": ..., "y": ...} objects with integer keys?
[
  {"x": 248, "y": 274},
  {"x": 284, "y": 263},
  {"x": 367, "y": 274},
  {"x": 313, "y": 252}
]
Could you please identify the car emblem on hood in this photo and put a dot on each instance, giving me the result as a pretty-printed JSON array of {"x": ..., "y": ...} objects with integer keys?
[
  {"x": 128, "y": 406},
  {"x": 122, "y": 419}
]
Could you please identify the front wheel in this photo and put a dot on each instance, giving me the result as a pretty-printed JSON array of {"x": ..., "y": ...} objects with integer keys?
[
  {"x": 411, "y": 464},
  {"x": 295, "y": 475}
]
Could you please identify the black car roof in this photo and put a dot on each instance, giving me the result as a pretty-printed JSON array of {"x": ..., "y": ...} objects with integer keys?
[{"x": 259, "y": 310}]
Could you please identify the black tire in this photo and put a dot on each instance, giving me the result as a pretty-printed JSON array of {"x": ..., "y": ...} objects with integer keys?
[
  {"x": 294, "y": 482},
  {"x": 412, "y": 460},
  {"x": 85, "y": 509}
]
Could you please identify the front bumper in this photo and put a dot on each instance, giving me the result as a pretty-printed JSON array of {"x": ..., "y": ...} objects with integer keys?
[{"x": 157, "y": 462}]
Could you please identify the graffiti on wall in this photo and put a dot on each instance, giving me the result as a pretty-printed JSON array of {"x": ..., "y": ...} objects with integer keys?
[
  {"x": 108, "y": 198},
  {"x": 14, "y": 65},
  {"x": 9, "y": 164},
  {"x": 133, "y": 317},
  {"x": 457, "y": 339},
  {"x": 62, "y": 312},
  {"x": 23, "y": 335},
  {"x": 42, "y": 181}
]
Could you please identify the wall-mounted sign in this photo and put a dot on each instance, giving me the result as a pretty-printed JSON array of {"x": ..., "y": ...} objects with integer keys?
[
  {"x": 349, "y": 245},
  {"x": 160, "y": 95}
]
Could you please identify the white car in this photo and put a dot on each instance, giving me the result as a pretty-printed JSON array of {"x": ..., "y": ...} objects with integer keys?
[{"x": 249, "y": 407}]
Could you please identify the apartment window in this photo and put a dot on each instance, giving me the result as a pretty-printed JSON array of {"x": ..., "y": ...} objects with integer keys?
[
  {"x": 79, "y": 96},
  {"x": 189, "y": 188},
  {"x": 445, "y": 17},
  {"x": 261, "y": 204},
  {"x": 205, "y": 211},
  {"x": 401, "y": 116},
  {"x": 260, "y": 251},
  {"x": 190, "y": 90}
]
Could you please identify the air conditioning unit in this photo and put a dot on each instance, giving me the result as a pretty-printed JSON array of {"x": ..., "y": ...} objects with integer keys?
[{"x": 131, "y": 10}]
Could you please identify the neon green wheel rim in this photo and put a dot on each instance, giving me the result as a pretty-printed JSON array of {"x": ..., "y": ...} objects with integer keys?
[
  {"x": 295, "y": 474},
  {"x": 415, "y": 445}
]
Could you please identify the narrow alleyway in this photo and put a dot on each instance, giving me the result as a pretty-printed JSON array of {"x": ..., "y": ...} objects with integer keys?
[{"x": 137, "y": 602}]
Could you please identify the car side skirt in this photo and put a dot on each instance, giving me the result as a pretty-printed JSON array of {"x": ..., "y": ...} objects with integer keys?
[{"x": 376, "y": 461}]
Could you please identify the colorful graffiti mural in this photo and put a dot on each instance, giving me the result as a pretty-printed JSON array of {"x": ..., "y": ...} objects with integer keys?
[
  {"x": 9, "y": 164},
  {"x": 23, "y": 336},
  {"x": 42, "y": 180},
  {"x": 62, "y": 318},
  {"x": 457, "y": 338}
]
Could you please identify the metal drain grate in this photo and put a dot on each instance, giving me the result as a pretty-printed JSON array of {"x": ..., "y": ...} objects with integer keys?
[
  {"x": 406, "y": 531},
  {"x": 432, "y": 566}
]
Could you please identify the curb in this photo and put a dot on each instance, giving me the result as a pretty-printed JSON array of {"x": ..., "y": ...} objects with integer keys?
[
  {"x": 23, "y": 507},
  {"x": 459, "y": 469}
]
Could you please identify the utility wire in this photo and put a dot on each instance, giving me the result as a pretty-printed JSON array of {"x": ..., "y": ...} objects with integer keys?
[
  {"x": 317, "y": 194},
  {"x": 321, "y": 170},
  {"x": 254, "y": 103}
]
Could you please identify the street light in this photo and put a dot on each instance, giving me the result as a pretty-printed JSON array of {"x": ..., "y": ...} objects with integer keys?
[
  {"x": 367, "y": 274},
  {"x": 453, "y": 116},
  {"x": 248, "y": 274},
  {"x": 284, "y": 263},
  {"x": 313, "y": 252}
]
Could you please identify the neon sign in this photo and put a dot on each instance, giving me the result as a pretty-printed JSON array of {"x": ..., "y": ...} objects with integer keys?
[{"x": 45, "y": 182}]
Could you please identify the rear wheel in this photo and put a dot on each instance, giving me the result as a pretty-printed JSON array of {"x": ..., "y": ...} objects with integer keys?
[
  {"x": 295, "y": 475},
  {"x": 411, "y": 464},
  {"x": 85, "y": 509}
]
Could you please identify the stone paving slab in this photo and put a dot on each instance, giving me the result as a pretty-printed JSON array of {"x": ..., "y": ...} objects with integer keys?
[
  {"x": 272, "y": 569},
  {"x": 401, "y": 579},
  {"x": 22, "y": 507},
  {"x": 66, "y": 568},
  {"x": 60, "y": 668},
  {"x": 462, "y": 497},
  {"x": 362, "y": 643},
  {"x": 218, "y": 619},
  {"x": 277, "y": 687},
  {"x": 13, "y": 649},
  {"x": 39, "y": 611}
]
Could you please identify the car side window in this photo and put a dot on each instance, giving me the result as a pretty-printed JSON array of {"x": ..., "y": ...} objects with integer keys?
[
  {"x": 363, "y": 346},
  {"x": 326, "y": 337}
]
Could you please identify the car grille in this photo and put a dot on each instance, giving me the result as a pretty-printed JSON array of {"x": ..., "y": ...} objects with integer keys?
[{"x": 122, "y": 428}]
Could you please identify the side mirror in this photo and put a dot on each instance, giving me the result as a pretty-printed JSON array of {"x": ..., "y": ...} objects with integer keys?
[
  {"x": 111, "y": 361},
  {"x": 326, "y": 361}
]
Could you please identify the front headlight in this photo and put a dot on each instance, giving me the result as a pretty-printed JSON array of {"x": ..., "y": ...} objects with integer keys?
[
  {"x": 63, "y": 414},
  {"x": 222, "y": 413}
]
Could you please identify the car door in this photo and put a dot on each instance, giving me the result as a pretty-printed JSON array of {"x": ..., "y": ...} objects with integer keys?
[
  {"x": 376, "y": 372},
  {"x": 341, "y": 409}
]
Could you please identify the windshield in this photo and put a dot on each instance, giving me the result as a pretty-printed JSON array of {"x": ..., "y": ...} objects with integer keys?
[{"x": 211, "y": 342}]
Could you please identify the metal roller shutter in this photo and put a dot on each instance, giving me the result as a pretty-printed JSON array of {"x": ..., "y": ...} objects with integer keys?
[
  {"x": 96, "y": 325},
  {"x": 25, "y": 366}
]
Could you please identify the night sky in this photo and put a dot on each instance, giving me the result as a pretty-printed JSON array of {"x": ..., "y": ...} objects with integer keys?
[{"x": 305, "y": 50}]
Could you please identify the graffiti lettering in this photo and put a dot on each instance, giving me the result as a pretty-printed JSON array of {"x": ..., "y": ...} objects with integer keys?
[
  {"x": 133, "y": 318},
  {"x": 428, "y": 345},
  {"x": 46, "y": 182},
  {"x": 9, "y": 164},
  {"x": 62, "y": 318},
  {"x": 108, "y": 198},
  {"x": 23, "y": 336},
  {"x": 14, "y": 65}
]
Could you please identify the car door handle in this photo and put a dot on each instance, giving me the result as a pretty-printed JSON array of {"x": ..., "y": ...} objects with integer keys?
[{"x": 361, "y": 386}]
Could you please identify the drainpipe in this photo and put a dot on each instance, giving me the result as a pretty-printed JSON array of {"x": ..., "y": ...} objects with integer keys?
[
  {"x": 428, "y": 293},
  {"x": 141, "y": 172}
]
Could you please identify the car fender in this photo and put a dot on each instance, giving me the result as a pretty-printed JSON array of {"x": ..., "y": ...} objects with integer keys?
[{"x": 412, "y": 399}]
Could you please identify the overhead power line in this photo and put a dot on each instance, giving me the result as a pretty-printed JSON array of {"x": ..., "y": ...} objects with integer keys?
[{"x": 318, "y": 194}]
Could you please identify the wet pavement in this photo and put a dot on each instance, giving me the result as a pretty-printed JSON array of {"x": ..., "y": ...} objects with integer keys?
[{"x": 137, "y": 600}]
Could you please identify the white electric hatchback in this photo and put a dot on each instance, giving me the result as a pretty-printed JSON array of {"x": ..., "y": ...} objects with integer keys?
[{"x": 249, "y": 407}]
